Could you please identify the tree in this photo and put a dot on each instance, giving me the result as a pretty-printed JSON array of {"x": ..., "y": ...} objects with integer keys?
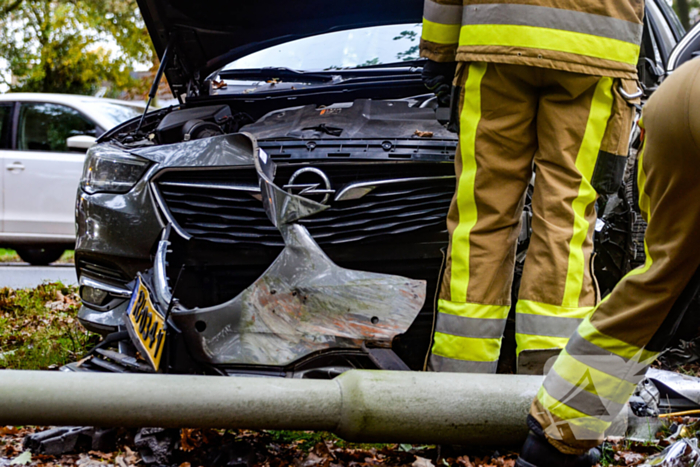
[
  {"x": 66, "y": 45},
  {"x": 683, "y": 8}
]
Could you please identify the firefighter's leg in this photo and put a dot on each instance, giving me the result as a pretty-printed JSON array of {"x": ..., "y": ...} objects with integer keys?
[
  {"x": 575, "y": 114},
  {"x": 608, "y": 354},
  {"x": 493, "y": 164}
]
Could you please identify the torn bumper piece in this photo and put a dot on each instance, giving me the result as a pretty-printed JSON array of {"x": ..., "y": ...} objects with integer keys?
[{"x": 302, "y": 304}]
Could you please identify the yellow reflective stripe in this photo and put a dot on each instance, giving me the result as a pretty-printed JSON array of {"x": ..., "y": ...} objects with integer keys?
[
  {"x": 601, "y": 108},
  {"x": 570, "y": 415},
  {"x": 644, "y": 201},
  {"x": 440, "y": 33},
  {"x": 549, "y": 39},
  {"x": 466, "y": 348},
  {"x": 473, "y": 310},
  {"x": 532, "y": 342},
  {"x": 591, "y": 380},
  {"x": 613, "y": 345},
  {"x": 466, "y": 203},
  {"x": 529, "y": 307}
]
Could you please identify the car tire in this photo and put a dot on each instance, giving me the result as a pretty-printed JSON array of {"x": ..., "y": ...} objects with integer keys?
[{"x": 40, "y": 256}]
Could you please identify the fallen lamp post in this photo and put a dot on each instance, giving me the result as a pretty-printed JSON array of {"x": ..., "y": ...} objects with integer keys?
[{"x": 358, "y": 406}]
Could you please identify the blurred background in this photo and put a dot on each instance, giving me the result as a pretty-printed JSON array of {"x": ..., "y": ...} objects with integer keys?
[{"x": 98, "y": 48}]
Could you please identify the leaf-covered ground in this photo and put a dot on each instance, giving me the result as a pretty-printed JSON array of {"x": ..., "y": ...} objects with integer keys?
[{"x": 39, "y": 330}]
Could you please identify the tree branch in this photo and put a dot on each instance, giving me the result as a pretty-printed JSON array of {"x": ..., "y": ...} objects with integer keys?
[{"x": 9, "y": 8}]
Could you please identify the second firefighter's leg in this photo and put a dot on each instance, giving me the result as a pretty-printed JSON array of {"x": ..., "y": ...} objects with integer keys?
[
  {"x": 493, "y": 165},
  {"x": 557, "y": 291},
  {"x": 609, "y": 353}
]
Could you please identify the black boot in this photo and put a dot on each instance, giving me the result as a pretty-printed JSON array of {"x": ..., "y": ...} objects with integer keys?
[{"x": 538, "y": 452}]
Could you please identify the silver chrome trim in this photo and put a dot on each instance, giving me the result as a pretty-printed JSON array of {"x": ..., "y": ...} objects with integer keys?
[
  {"x": 163, "y": 208},
  {"x": 309, "y": 188},
  {"x": 160, "y": 278},
  {"x": 112, "y": 289},
  {"x": 215, "y": 186},
  {"x": 358, "y": 190}
]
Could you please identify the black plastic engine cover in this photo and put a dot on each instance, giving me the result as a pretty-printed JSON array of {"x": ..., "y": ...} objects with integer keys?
[{"x": 170, "y": 128}]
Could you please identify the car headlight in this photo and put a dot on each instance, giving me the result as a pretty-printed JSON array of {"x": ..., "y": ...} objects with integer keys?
[{"x": 110, "y": 170}]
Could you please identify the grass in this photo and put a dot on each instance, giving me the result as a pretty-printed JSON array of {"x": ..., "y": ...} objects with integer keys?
[
  {"x": 39, "y": 329},
  {"x": 11, "y": 256}
]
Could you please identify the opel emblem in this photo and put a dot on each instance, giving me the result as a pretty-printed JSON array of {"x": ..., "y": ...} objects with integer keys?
[{"x": 304, "y": 183}]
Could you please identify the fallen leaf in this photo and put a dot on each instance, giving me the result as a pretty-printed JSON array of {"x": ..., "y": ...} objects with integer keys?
[
  {"x": 23, "y": 459},
  {"x": 629, "y": 457},
  {"x": 423, "y": 134},
  {"x": 422, "y": 462},
  {"x": 131, "y": 457},
  {"x": 101, "y": 455}
]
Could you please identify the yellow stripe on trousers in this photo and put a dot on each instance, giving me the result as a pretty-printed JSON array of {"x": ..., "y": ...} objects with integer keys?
[
  {"x": 466, "y": 203},
  {"x": 601, "y": 109},
  {"x": 600, "y": 112},
  {"x": 585, "y": 367}
]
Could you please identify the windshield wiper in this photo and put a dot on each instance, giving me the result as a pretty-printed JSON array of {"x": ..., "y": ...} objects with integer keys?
[
  {"x": 418, "y": 63},
  {"x": 283, "y": 74}
]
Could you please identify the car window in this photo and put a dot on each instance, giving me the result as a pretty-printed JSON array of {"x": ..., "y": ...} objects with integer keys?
[
  {"x": 115, "y": 113},
  {"x": 666, "y": 40},
  {"x": 5, "y": 124},
  {"x": 338, "y": 50},
  {"x": 45, "y": 127}
]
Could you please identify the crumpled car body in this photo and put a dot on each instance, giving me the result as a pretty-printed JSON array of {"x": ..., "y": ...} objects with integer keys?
[{"x": 363, "y": 178}]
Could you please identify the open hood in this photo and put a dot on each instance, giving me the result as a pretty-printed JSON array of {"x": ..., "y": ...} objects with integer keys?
[{"x": 210, "y": 33}]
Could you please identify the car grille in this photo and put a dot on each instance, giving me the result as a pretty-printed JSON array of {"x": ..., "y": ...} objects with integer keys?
[
  {"x": 225, "y": 205},
  {"x": 105, "y": 272}
]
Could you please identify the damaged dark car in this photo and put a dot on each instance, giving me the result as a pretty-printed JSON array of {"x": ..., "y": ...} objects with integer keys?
[{"x": 288, "y": 217}]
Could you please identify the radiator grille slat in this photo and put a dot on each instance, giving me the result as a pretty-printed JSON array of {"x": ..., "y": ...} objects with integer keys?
[{"x": 238, "y": 216}]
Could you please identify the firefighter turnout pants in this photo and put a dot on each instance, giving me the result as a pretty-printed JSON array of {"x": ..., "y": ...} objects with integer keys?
[
  {"x": 574, "y": 128},
  {"x": 608, "y": 354}
]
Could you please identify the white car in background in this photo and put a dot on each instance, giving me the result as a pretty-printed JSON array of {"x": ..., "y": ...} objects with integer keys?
[{"x": 43, "y": 141}]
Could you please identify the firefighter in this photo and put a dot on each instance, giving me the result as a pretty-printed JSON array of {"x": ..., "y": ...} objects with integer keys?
[
  {"x": 594, "y": 376},
  {"x": 546, "y": 84}
]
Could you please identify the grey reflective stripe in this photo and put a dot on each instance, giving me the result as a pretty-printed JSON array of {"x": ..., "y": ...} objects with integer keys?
[
  {"x": 600, "y": 359},
  {"x": 551, "y": 326},
  {"x": 442, "y": 14},
  {"x": 553, "y": 18},
  {"x": 451, "y": 365},
  {"x": 470, "y": 327},
  {"x": 578, "y": 398}
]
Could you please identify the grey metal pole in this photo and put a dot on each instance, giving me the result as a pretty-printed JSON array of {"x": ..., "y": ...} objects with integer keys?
[{"x": 363, "y": 406}]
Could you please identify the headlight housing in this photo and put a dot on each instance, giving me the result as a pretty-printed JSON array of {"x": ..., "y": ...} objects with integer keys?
[{"x": 108, "y": 169}]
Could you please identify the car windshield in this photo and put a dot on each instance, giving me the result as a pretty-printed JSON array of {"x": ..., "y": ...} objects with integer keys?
[
  {"x": 354, "y": 48},
  {"x": 115, "y": 113}
]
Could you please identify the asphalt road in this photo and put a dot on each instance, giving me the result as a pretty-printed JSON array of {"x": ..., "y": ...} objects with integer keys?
[{"x": 20, "y": 276}]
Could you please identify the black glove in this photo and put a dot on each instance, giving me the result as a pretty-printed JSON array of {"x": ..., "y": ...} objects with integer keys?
[{"x": 437, "y": 77}]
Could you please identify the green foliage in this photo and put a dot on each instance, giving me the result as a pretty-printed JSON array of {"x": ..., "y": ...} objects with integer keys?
[
  {"x": 683, "y": 9},
  {"x": 55, "y": 46},
  {"x": 373, "y": 62},
  {"x": 39, "y": 329},
  {"x": 412, "y": 52}
]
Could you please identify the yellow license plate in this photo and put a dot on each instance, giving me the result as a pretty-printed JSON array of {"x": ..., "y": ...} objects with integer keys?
[{"x": 146, "y": 325}]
